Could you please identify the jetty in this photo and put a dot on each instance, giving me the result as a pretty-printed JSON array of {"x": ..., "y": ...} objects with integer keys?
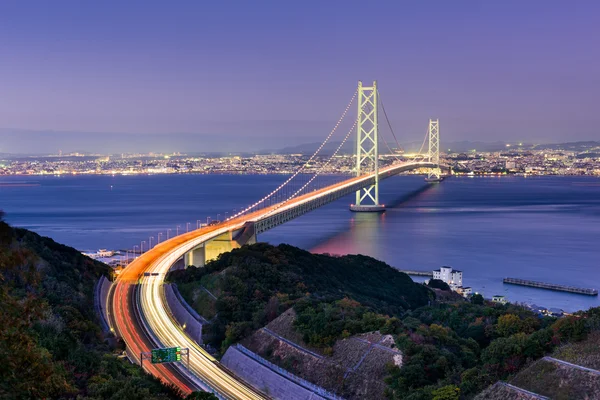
[
  {"x": 551, "y": 286},
  {"x": 417, "y": 273}
]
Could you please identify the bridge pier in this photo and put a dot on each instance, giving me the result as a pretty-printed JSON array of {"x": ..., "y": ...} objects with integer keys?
[
  {"x": 223, "y": 243},
  {"x": 195, "y": 257}
]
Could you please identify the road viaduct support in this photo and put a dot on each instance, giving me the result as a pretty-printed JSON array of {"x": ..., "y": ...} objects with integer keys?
[{"x": 210, "y": 250}]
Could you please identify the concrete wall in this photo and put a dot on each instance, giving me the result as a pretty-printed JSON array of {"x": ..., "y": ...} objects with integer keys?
[
  {"x": 183, "y": 313},
  {"x": 221, "y": 244},
  {"x": 101, "y": 298},
  {"x": 264, "y": 379},
  {"x": 195, "y": 257}
]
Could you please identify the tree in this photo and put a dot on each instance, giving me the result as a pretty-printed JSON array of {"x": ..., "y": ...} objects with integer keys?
[
  {"x": 477, "y": 299},
  {"x": 50, "y": 342},
  {"x": 505, "y": 355},
  {"x": 438, "y": 284},
  {"x": 570, "y": 328},
  {"x": 472, "y": 381},
  {"x": 449, "y": 392},
  {"x": 508, "y": 325}
]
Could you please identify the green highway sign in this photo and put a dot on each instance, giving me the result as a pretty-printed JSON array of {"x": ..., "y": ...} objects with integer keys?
[{"x": 170, "y": 354}]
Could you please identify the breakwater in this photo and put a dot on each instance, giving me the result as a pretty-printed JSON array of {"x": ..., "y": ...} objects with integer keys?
[
  {"x": 417, "y": 273},
  {"x": 551, "y": 286}
]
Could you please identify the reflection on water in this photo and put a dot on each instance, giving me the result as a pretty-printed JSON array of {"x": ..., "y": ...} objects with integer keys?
[
  {"x": 542, "y": 229},
  {"x": 545, "y": 229}
]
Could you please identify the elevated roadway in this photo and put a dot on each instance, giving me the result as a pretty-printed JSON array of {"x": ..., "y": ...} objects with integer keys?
[{"x": 142, "y": 318}]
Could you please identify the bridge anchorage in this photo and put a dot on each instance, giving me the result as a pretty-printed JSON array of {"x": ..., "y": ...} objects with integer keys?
[{"x": 367, "y": 150}]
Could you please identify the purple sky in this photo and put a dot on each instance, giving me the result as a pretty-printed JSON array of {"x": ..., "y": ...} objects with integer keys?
[{"x": 250, "y": 75}]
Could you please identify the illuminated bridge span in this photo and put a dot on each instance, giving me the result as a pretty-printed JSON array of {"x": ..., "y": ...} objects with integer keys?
[{"x": 140, "y": 314}]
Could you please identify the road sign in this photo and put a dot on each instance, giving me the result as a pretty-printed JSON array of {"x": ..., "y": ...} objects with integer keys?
[
  {"x": 170, "y": 354},
  {"x": 166, "y": 355}
]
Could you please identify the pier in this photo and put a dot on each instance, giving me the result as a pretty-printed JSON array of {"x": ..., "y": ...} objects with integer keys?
[
  {"x": 416, "y": 273},
  {"x": 551, "y": 286}
]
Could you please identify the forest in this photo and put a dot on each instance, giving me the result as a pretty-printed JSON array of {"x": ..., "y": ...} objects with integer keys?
[
  {"x": 257, "y": 283},
  {"x": 51, "y": 344},
  {"x": 453, "y": 348}
]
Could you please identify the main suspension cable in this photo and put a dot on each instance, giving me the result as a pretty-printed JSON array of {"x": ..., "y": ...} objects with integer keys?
[
  {"x": 261, "y": 201},
  {"x": 318, "y": 171},
  {"x": 388, "y": 121}
]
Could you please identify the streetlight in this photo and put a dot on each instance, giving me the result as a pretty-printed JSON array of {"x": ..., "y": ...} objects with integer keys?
[
  {"x": 177, "y": 230},
  {"x": 207, "y": 218},
  {"x": 187, "y": 227},
  {"x": 159, "y": 235},
  {"x": 134, "y": 252},
  {"x": 226, "y": 215},
  {"x": 168, "y": 230},
  {"x": 197, "y": 224},
  {"x": 150, "y": 241},
  {"x": 218, "y": 215},
  {"x": 142, "y": 247}
]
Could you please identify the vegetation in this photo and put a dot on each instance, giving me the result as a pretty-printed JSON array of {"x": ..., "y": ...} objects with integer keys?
[
  {"x": 559, "y": 381},
  {"x": 334, "y": 296},
  {"x": 438, "y": 284},
  {"x": 451, "y": 349},
  {"x": 50, "y": 343},
  {"x": 471, "y": 345}
]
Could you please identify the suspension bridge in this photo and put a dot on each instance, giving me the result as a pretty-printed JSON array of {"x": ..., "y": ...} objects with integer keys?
[{"x": 139, "y": 313}]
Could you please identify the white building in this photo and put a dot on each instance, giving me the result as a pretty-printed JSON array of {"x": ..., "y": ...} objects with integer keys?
[
  {"x": 499, "y": 299},
  {"x": 451, "y": 276},
  {"x": 102, "y": 253},
  {"x": 105, "y": 253}
]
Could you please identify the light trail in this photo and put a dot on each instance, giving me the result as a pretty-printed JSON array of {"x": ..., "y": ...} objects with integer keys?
[{"x": 155, "y": 318}]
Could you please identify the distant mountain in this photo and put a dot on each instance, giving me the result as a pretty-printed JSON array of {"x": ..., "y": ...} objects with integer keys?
[
  {"x": 570, "y": 146},
  {"x": 349, "y": 147},
  {"x": 458, "y": 146},
  {"x": 14, "y": 142},
  {"x": 51, "y": 142}
]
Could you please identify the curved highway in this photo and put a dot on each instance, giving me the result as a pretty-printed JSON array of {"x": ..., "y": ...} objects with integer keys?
[{"x": 134, "y": 293}]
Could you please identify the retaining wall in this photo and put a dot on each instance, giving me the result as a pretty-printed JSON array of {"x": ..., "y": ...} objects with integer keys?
[
  {"x": 265, "y": 379},
  {"x": 100, "y": 301},
  {"x": 184, "y": 314}
]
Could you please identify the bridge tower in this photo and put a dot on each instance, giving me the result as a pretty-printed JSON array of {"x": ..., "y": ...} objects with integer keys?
[
  {"x": 367, "y": 152},
  {"x": 434, "y": 174}
]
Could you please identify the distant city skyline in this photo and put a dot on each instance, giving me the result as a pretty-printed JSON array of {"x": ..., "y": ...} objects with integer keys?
[
  {"x": 28, "y": 142},
  {"x": 244, "y": 76}
]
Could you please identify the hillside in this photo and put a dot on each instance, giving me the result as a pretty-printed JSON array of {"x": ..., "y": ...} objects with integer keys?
[
  {"x": 51, "y": 345},
  {"x": 286, "y": 304},
  {"x": 257, "y": 283},
  {"x": 569, "y": 372}
]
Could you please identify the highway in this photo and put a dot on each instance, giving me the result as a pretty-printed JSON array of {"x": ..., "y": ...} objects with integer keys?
[
  {"x": 142, "y": 318},
  {"x": 137, "y": 339}
]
